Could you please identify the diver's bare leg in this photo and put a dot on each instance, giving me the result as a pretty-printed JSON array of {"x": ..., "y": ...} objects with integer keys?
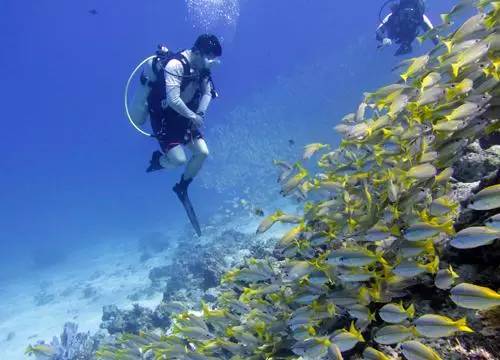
[
  {"x": 175, "y": 157},
  {"x": 200, "y": 152}
]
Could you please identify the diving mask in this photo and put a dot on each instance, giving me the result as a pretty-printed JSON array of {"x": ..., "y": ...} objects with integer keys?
[{"x": 211, "y": 62}]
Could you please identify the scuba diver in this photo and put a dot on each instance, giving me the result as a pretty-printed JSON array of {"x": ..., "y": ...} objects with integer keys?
[
  {"x": 402, "y": 25},
  {"x": 175, "y": 92}
]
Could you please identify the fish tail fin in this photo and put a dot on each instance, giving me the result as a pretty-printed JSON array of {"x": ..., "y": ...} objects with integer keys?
[
  {"x": 448, "y": 44},
  {"x": 357, "y": 333},
  {"x": 455, "y": 68},
  {"x": 445, "y": 18},
  {"x": 371, "y": 316},
  {"x": 453, "y": 273},
  {"x": 387, "y": 133},
  {"x": 404, "y": 76},
  {"x": 450, "y": 94},
  {"x": 397, "y": 173},
  {"x": 420, "y": 39},
  {"x": 429, "y": 247},
  {"x": 205, "y": 308},
  {"x": 490, "y": 22},
  {"x": 395, "y": 230},
  {"x": 412, "y": 106},
  {"x": 433, "y": 267},
  {"x": 380, "y": 105},
  {"x": 29, "y": 350},
  {"x": 447, "y": 227},
  {"x": 427, "y": 112},
  {"x": 414, "y": 331},
  {"x": 441, "y": 58},
  {"x": 381, "y": 259},
  {"x": 176, "y": 329},
  {"x": 387, "y": 269},
  {"x": 462, "y": 325},
  {"x": 411, "y": 311}
]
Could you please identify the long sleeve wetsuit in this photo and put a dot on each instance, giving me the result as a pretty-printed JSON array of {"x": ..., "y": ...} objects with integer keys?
[{"x": 178, "y": 100}]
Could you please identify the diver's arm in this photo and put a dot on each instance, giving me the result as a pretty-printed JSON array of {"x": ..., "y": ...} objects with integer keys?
[
  {"x": 426, "y": 26},
  {"x": 381, "y": 29},
  {"x": 206, "y": 97},
  {"x": 175, "y": 102},
  {"x": 173, "y": 80}
]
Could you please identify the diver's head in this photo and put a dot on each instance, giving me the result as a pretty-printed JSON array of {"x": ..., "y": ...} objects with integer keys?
[
  {"x": 410, "y": 16},
  {"x": 411, "y": 11},
  {"x": 206, "y": 50}
]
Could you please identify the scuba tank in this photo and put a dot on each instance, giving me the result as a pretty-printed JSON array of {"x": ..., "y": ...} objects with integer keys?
[
  {"x": 152, "y": 72},
  {"x": 138, "y": 110}
]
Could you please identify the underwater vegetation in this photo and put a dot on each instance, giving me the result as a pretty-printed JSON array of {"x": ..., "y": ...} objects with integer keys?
[
  {"x": 71, "y": 345},
  {"x": 380, "y": 228}
]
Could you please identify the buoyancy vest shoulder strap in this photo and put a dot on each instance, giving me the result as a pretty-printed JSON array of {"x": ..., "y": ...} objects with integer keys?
[{"x": 186, "y": 69}]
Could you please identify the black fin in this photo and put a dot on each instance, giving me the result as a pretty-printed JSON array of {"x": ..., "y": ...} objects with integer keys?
[
  {"x": 184, "y": 198},
  {"x": 154, "y": 163}
]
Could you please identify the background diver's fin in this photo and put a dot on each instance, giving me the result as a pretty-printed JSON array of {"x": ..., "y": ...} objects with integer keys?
[{"x": 184, "y": 198}]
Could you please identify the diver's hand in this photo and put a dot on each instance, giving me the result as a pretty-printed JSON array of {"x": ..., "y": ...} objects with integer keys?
[
  {"x": 197, "y": 121},
  {"x": 386, "y": 42}
]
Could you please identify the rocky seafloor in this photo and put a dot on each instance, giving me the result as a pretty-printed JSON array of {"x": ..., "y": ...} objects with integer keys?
[
  {"x": 192, "y": 273},
  {"x": 182, "y": 268}
]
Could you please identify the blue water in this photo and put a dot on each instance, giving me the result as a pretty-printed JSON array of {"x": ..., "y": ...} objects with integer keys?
[{"x": 71, "y": 166}]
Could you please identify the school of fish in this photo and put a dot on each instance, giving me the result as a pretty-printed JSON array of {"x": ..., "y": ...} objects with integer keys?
[{"x": 377, "y": 215}]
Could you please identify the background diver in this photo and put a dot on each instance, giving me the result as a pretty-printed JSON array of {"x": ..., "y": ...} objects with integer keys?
[
  {"x": 402, "y": 25},
  {"x": 176, "y": 91}
]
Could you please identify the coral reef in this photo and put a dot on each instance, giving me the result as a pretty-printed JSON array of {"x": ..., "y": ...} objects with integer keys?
[
  {"x": 378, "y": 257},
  {"x": 116, "y": 321},
  {"x": 395, "y": 253},
  {"x": 204, "y": 271},
  {"x": 71, "y": 345},
  {"x": 477, "y": 163}
]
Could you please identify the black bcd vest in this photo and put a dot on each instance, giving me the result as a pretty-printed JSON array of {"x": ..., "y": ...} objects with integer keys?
[{"x": 157, "y": 95}]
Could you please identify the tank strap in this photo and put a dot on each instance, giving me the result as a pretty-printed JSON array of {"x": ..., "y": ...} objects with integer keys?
[{"x": 186, "y": 70}]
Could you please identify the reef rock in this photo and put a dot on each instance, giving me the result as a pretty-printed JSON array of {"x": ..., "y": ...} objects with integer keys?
[
  {"x": 476, "y": 163},
  {"x": 490, "y": 140},
  {"x": 119, "y": 321},
  {"x": 161, "y": 316},
  {"x": 152, "y": 243},
  {"x": 159, "y": 276},
  {"x": 196, "y": 274}
]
